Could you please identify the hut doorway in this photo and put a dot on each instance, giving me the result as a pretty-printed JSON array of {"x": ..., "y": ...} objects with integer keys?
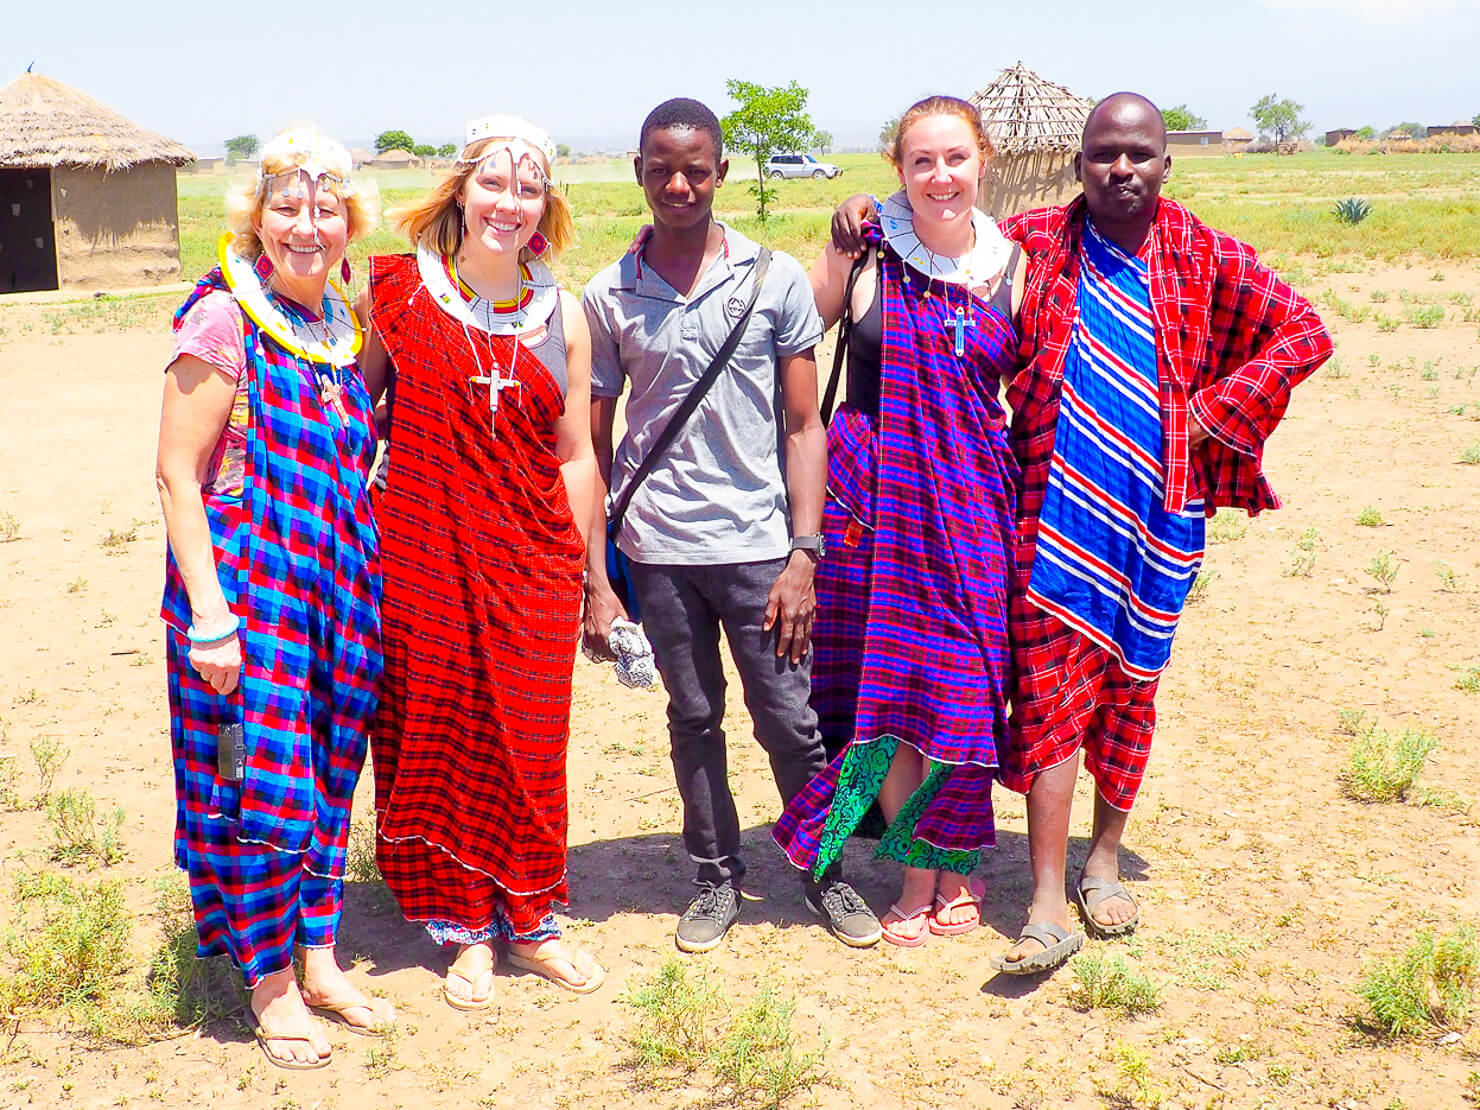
[{"x": 28, "y": 249}]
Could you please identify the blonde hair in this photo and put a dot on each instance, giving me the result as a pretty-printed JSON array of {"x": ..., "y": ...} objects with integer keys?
[
  {"x": 939, "y": 106},
  {"x": 289, "y": 149},
  {"x": 436, "y": 221}
]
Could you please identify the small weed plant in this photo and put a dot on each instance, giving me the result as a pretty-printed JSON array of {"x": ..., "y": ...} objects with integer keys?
[
  {"x": 359, "y": 864},
  {"x": 1199, "y": 588},
  {"x": 1227, "y": 526},
  {"x": 48, "y": 754},
  {"x": 1425, "y": 316},
  {"x": 1384, "y": 570},
  {"x": 1370, "y": 517},
  {"x": 79, "y": 834},
  {"x": 1469, "y": 682},
  {"x": 118, "y": 539},
  {"x": 10, "y": 775},
  {"x": 685, "y": 1024},
  {"x": 1109, "y": 984},
  {"x": 1470, "y": 456},
  {"x": 69, "y": 942},
  {"x": 1387, "y": 324},
  {"x": 10, "y": 527},
  {"x": 1448, "y": 581},
  {"x": 1351, "y": 722},
  {"x": 1383, "y": 766},
  {"x": 1352, "y": 210},
  {"x": 1303, "y": 555},
  {"x": 1431, "y": 986}
]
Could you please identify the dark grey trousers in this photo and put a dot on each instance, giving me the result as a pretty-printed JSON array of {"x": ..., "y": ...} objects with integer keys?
[{"x": 683, "y": 610}]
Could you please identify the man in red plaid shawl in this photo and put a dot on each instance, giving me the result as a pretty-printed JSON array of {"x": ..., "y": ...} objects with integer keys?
[{"x": 1230, "y": 342}]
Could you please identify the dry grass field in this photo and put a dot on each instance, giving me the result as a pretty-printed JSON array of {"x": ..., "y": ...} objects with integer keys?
[{"x": 1306, "y": 850}]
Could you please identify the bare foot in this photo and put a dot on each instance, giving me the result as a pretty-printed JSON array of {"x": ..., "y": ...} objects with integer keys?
[
  {"x": 327, "y": 987},
  {"x": 469, "y": 982},
  {"x": 290, "y": 1034}
]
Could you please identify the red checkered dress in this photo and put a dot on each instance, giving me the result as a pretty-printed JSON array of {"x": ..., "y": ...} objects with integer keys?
[
  {"x": 482, "y": 560},
  {"x": 1232, "y": 341}
]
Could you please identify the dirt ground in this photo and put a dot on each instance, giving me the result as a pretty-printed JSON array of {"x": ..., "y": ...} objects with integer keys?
[{"x": 1264, "y": 890}]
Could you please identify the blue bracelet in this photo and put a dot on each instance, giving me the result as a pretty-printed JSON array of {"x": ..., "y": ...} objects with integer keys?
[{"x": 202, "y": 641}]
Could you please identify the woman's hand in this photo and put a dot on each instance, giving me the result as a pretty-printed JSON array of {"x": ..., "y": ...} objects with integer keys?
[{"x": 220, "y": 664}]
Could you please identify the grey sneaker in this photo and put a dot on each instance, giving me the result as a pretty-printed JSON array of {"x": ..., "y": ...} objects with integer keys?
[
  {"x": 845, "y": 912},
  {"x": 708, "y": 918}
]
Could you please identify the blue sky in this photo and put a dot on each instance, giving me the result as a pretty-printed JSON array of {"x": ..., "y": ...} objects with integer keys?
[{"x": 589, "y": 70}]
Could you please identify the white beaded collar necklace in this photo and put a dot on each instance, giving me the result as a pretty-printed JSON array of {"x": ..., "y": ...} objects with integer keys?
[
  {"x": 537, "y": 283},
  {"x": 335, "y": 340},
  {"x": 986, "y": 259}
]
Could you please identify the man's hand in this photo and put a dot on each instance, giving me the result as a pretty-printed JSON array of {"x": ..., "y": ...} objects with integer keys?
[
  {"x": 602, "y": 607},
  {"x": 792, "y": 605},
  {"x": 847, "y": 224}
]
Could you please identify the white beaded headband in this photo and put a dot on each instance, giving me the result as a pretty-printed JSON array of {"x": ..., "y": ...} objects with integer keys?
[
  {"x": 511, "y": 128},
  {"x": 311, "y": 153}
]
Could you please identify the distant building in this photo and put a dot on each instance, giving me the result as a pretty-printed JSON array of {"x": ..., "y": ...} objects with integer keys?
[
  {"x": 397, "y": 159},
  {"x": 1194, "y": 142},
  {"x": 1340, "y": 134},
  {"x": 88, "y": 196},
  {"x": 1036, "y": 127},
  {"x": 1236, "y": 140},
  {"x": 1458, "y": 128}
]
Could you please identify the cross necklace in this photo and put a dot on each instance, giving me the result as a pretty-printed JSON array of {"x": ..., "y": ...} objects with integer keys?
[{"x": 494, "y": 379}]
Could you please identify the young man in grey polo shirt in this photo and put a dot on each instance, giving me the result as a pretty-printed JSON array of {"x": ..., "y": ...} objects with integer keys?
[{"x": 725, "y": 532}]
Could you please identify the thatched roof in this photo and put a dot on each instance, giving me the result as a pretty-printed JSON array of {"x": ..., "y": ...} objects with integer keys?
[
  {"x": 1237, "y": 133},
  {"x": 46, "y": 123},
  {"x": 398, "y": 157},
  {"x": 1023, "y": 113}
]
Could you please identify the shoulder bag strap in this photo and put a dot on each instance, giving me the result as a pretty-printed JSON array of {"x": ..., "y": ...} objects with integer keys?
[
  {"x": 691, "y": 402},
  {"x": 845, "y": 326}
]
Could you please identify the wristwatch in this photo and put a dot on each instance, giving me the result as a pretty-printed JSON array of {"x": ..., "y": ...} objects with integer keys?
[{"x": 814, "y": 545}]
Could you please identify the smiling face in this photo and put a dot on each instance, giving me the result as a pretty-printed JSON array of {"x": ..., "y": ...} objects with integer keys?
[
  {"x": 678, "y": 171},
  {"x": 939, "y": 166},
  {"x": 503, "y": 200},
  {"x": 1124, "y": 163},
  {"x": 303, "y": 227}
]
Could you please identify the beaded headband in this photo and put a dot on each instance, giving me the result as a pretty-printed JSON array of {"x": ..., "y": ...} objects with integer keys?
[
  {"x": 512, "y": 128},
  {"x": 311, "y": 153}
]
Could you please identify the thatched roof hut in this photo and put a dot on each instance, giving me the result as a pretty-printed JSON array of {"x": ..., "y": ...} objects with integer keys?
[
  {"x": 91, "y": 193},
  {"x": 1036, "y": 126}
]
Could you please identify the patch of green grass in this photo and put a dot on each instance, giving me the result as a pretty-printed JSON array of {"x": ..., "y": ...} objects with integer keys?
[
  {"x": 684, "y": 1024},
  {"x": 1370, "y": 517},
  {"x": 1432, "y": 985},
  {"x": 69, "y": 941},
  {"x": 1470, "y": 456},
  {"x": 1383, "y": 766},
  {"x": 1228, "y": 525},
  {"x": 1425, "y": 316},
  {"x": 1303, "y": 555},
  {"x": 1469, "y": 682},
  {"x": 1101, "y": 983},
  {"x": 79, "y": 833}
]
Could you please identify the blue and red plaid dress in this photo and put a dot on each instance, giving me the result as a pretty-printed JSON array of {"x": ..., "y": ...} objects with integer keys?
[
  {"x": 297, "y": 557},
  {"x": 483, "y": 564},
  {"x": 911, "y": 631}
]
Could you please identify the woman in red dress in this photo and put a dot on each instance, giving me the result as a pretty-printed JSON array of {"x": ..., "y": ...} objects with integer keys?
[{"x": 484, "y": 363}]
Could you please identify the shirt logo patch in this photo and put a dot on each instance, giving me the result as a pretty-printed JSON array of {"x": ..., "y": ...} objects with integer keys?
[{"x": 735, "y": 306}]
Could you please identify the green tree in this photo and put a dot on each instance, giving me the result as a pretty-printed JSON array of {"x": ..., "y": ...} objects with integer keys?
[
  {"x": 447, "y": 150},
  {"x": 394, "y": 140},
  {"x": 562, "y": 150},
  {"x": 243, "y": 146},
  {"x": 1365, "y": 133},
  {"x": 822, "y": 141},
  {"x": 424, "y": 150},
  {"x": 1416, "y": 130},
  {"x": 768, "y": 120},
  {"x": 1475, "y": 119},
  {"x": 887, "y": 130},
  {"x": 1281, "y": 118},
  {"x": 1182, "y": 118}
]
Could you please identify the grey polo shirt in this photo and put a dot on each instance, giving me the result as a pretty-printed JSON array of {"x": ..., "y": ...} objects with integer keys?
[{"x": 718, "y": 494}]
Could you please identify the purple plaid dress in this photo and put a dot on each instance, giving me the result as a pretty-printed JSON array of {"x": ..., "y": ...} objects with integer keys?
[{"x": 911, "y": 633}]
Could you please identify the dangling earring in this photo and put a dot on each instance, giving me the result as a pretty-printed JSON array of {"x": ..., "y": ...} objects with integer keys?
[
  {"x": 263, "y": 267},
  {"x": 538, "y": 244},
  {"x": 344, "y": 269}
]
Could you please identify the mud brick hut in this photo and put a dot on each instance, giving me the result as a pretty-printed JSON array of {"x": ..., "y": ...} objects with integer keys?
[
  {"x": 87, "y": 197},
  {"x": 1036, "y": 127}
]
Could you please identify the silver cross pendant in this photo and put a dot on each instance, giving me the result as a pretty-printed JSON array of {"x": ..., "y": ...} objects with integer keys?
[{"x": 496, "y": 384}]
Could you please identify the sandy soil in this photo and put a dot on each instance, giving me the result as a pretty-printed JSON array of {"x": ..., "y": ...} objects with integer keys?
[{"x": 1264, "y": 890}]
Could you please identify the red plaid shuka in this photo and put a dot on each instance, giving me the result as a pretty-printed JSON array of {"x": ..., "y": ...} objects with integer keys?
[
  {"x": 1232, "y": 340},
  {"x": 482, "y": 560}
]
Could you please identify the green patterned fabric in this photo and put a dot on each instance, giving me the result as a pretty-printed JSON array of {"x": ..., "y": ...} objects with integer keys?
[{"x": 865, "y": 767}]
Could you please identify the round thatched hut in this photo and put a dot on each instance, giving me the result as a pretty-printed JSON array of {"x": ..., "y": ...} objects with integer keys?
[
  {"x": 1036, "y": 127},
  {"x": 88, "y": 196}
]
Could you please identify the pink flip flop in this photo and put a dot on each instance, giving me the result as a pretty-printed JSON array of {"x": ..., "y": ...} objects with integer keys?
[
  {"x": 901, "y": 939},
  {"x": 975, "y": 891}
]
